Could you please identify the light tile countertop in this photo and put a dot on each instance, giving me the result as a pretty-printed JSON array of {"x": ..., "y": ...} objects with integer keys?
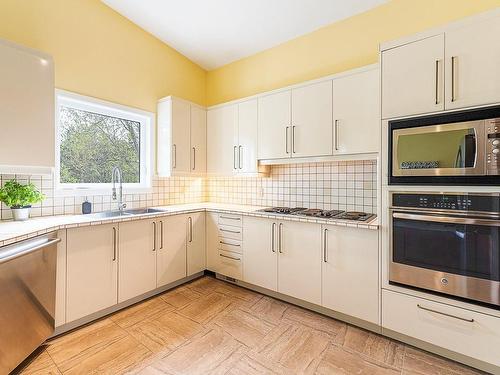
[{"x": 12, "y": 231}]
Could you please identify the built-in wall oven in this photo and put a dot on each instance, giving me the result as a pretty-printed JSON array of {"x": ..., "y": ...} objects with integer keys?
[
  {"x": 460, "y": 148},
  {"x": 447, "y": 243}
]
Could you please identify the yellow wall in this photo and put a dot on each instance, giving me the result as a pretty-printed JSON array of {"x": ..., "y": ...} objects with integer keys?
[
  {"x": 340, "y": 46},
  {"x": 99, "y": 53}
]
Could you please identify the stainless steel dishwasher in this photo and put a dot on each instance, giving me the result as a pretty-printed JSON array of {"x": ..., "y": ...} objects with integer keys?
[{"x": 27, "y": 297}]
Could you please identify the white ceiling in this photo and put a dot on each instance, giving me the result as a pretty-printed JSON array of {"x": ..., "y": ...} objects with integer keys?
[{"x": 213, "y": 33}]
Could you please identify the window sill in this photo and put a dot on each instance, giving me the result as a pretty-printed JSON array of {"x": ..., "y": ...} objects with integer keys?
[{"x": 80, "y": 192}]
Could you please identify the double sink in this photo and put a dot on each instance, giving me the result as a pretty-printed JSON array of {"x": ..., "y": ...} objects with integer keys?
[{"x": 131, "y": 212}]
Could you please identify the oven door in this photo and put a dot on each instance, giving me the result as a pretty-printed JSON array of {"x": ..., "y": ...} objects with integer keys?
[
  {"x": 458, "y": 256},
  {"x": 439, "y": 150}
]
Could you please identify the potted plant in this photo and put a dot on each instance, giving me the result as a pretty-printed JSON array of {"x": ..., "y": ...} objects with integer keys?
[{"x": 20, "y": 198}]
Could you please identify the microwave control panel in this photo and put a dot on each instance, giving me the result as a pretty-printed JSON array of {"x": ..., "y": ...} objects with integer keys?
[{"x": 493, "y": 146}]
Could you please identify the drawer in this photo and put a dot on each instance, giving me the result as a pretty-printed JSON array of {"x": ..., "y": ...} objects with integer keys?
[
  {"x": 230, "y": 245},
  {"x": 470, "y": 333},
  {"x": 230, "y": 219},
  {"x": 234, "y": 233},
  {"x": 231, "y": 264}
]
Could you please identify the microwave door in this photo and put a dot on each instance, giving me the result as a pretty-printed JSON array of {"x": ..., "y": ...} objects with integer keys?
[{"x": 466, "y": 152}]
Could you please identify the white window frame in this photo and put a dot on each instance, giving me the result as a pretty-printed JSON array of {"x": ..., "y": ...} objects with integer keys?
[{"x": 86, "y": 103}]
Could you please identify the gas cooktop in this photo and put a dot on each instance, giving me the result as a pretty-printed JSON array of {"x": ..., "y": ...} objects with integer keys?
[{"x": 325, "y": 214}]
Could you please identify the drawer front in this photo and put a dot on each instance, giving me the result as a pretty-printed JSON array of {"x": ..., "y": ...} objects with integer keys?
[
  {"x": 231, "y": 264},
  {"x": 226, "y": 231},
  {"x": 229, "y": 219},
  {"x": 230, "y": 245},
  {"x": 470, "y": 333}
]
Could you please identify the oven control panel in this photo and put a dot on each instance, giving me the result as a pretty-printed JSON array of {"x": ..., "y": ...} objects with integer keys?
[
  {"x": 450, "y": 202},
  {"x": 493, "y": 146}
]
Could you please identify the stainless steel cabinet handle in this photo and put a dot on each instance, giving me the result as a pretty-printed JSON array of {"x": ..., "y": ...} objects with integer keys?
[
  {"x": 230, "y": 218},
  {"x": 154, "y": 235},
  {"x": 446, "y": 219},
  {"x": 453, "y": 79},
  {"x": 445, "y": 314},
  {"x": 336, "y": 130},
  {"x": 286, "y": 139},
  {"x": 272, "y": 237},
  {"x": 235, "y": 166},
  {"x": 194, "y": 158},
  {"x": 230, "y": 231},
  {"x": 190, "y": 229},
  {"x": 230, "y": 244},
  {"x": 280, "y": 249},
  {"x": 240, "y": 156},
  {"x": 293, "y": 139},
  {"x": 161, "y": 234},
  {"x": 114, "y": 243},
  {"x": 437, "y": 82},
  {"x": 325, "y": 246},
  {"x": 226, "y": 256},
  {"x": 174, "y": 161}
]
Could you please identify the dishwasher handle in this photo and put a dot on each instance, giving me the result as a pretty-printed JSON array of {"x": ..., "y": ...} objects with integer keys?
[{"x": 24, "y": 249}]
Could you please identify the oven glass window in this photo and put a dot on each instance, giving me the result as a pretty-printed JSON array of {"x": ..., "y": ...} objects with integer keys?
[
  {"x": 445, "y": 149},
  {"x": 468, "y": 250}
]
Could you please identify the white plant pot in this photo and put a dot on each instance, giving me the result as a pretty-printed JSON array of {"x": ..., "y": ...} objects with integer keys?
[{"x": 21, "y": 214}]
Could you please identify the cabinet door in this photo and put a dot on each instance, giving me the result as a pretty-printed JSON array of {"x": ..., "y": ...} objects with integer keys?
[
  {"x": 198, "y": 140},
  {"x": 60, "y": 312},
  {"x": 247, "y": 136},
  {"x": 299, "y": 260},
  {"x": 212, "y": 233},
  {"x": 350, "y": 282},
  {"x": 171, "y": 254},
  {"x": 274, "y": 126},
  {"x": 92, "y": 270},
  {"x": 196, "y": 243},
  {"x": 412, "y": 78},
  {"x": 181, "y": 145},
  {"x": 222, "y": 151},
  {"x": 260, "y": 265},
  {"x": 137, "y": 253},
  {"x": 312, "y": 127},
  {"x": 356, "y": 113},
  {"x": 472, "y": 61}
]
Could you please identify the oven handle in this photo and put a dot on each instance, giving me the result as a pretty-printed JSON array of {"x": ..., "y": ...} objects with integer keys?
[{"x": 446, "y": 219}]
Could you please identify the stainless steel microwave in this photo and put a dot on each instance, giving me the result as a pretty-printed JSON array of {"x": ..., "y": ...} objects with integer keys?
[{"x": 461, "y": 148}]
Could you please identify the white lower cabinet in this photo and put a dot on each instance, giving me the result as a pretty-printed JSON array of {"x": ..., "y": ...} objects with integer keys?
[
  {"x": 92, "y": 270},
  {"x": 138, "y": 244},
  {"x": 60, "y": 312},
  {"x": 212, "y": 233},
  {"x": 259, "y": 247},
  {"x": 463, "y": 331},
  {"x": 171, "y": 255},
  {"x": 350, "y": 274},
  {"x": 196, "y": 243}
]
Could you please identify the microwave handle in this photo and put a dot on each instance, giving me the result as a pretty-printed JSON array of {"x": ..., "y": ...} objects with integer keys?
[{"x": 446, "y": 219}]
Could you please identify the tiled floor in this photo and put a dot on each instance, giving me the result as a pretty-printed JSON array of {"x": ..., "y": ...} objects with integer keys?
[{"x": 212, "y": 327}]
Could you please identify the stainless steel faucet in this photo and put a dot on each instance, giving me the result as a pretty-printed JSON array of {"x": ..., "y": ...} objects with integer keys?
[{"x": 117, "y": 176}]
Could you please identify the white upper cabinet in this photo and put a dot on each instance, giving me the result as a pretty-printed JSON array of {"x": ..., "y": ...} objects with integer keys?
[
  {"x": 356, "y": 112},
  {"x": 222, "y": 151},
  {"x": 472, "y": 64},
  {"x": 26, "y": 110},
  {"x": 181, "y": 138},
  {"x": 413, "y": 79},
  {"x": 311, "y": 127},
  {"x": 274, "y": 126},
  {"x": 247, "y": 137}
]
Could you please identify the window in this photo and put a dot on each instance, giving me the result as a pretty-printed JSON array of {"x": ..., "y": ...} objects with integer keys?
[{"x": 93, "y": 137}]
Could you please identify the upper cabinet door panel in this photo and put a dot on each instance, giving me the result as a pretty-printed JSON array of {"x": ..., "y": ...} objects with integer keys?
[
  {"x": 413, "y": 79},
  {"x": 247, "y": 135},
  {"x": 356, "y": 113},
  {"x": 198, "y": 140},
  {"x": 312, "y": 127},
  {"x": 26, "y": 109},
  {"x": 221, "y": 149},
  {"x": 472, "y": 64},
  {"x": 181, "y": 123},
  {"x": 274, "y": 126}
]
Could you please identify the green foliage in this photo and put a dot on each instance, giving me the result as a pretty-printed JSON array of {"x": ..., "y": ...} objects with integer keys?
[
  {"x": 92, "y": 144},
  {"x": 16, "y": 195}
]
